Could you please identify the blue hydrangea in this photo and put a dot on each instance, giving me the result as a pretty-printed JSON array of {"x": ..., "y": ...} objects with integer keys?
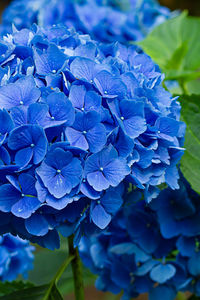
[
  {"x": 16, "y": 257},
  {"x": 80, "y": 122},
  {"x": 112, "y": 20},
  {"x": 135, "y": 255}
]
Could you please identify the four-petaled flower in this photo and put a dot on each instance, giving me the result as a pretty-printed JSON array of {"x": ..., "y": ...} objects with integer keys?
[
  {"x": 105, "y": 169},
  {"x": 60, "y": 172}
]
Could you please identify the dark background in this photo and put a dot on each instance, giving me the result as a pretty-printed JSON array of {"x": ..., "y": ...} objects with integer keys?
[{"x": 193, "y": 6}]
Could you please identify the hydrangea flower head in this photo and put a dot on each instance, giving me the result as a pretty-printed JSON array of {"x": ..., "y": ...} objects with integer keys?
[
  {"x": 16, "y": 257},
  {"x": 134, "y": 254},
  {"x": 112, "y": 20},
  {"x": 80, "y": 122}
]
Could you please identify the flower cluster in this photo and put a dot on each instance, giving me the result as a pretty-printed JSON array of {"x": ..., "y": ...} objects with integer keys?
[
  {"x": 78, "y": 121},
  {"x": 149, "y": 248},
  {"x": 111, "y": 21},
  {"x": 16, "y": 257}
]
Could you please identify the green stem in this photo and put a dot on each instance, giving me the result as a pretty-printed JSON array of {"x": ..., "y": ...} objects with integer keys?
[
  {"x": 77, "y": 271},
  {"x": 58, "y": 276}
]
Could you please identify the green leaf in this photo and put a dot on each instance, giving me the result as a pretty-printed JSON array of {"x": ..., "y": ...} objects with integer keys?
[
  {"x": 33, "y": 293},
  {"x": 175, "y": 48},
  {"x": 10, "y": 287},
  {"x": 47, "y": 263},
  {"x": 190, "y": 163},
  {"x": 193, "y": 87}
]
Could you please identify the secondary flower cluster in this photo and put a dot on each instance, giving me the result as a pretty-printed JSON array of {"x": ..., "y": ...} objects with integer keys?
[
  {"x": 152, "y": 249},
  {"x": 108, "y": 24},
  {"x": 16, "y": 257},
  {"x": 77, "y": 121}
]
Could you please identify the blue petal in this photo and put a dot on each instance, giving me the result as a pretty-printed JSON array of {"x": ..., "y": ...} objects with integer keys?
[
  {"x": 37, "y": 113},
  {"x": 98, "y": 181},
  {"x": 168, "y": 128},
  {"x": 162, "y": 292},
  {"x": 76, "y": 138},
  {"x": 100, "y": 217},
  {"x": 25, "y": 207},
  {"x": 111, "y": 202},
  {"x": 77, "y": 95},
  {"x": 83, "y": 68},
  {"x": 96, "y": 138},
  {"x": 37, "y": 225},
  {"x": 8, "y": 197},
  {"x": 109, "y": 86},
  {"x": 194, "y": 264},
  {"x": 49, "y": 62},
  {"x": 146, "y": 267},
  {"x": 133, "y": 113},
  {"x": 23, "y": 157},
  {"x": 116, "y": 171},
  {"x": 6, "y": 123},
  {"x": 88, "y": 191},
  {"x": 61, "y": 108},
  {"x": 22, "y": 92},
  {"x": 27, "y": 183},
  {"x": 19, "y": 115},
  {"x": 161, "y": 273}
]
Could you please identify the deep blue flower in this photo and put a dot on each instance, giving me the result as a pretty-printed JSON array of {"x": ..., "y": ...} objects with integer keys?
[
  {"x": 87, "y": 132},
  {"x": 20, "y": 196},
  {"x": 21, "y": 93},
  {"x": 130, "y": 116},
  {"x": 109, "y": 86},
  {"x": 105, "y": 169},
  {"x": 84, "y": 100},
  {"x": 49, "y": 61},
  {"x": 102, "y": 210},
  {"x": 60, "y": 172},
  {"x": 29, "y": 142},
  {"x": 16, "y": 257}
]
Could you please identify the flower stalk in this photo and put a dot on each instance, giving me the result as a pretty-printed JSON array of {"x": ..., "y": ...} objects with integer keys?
[{"x": 76, "y": 270}]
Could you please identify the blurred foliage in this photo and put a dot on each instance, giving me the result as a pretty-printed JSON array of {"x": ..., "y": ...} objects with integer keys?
[{"x": 10, "y": 287}]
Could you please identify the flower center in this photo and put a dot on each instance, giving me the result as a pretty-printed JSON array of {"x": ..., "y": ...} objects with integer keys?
[
  {"x": 98, "y": 202},
  {"x": 32, "y": 145},
  {"x": 122, "y": 118},
  {"x": 82, "y": 108},
  {"x": 84, "y": 131},
  {"x": 54, "y": 71},
  {"x": 159, "y": 132},
  {"x": 22, "y": 195},
  {"x": 52, "y": 118},
  {"x": 105, "y": 92},
  {"x": 21, "y": 102},
  {"x": 101, "y": 169},
  {"x": 58, "y": 171}
]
